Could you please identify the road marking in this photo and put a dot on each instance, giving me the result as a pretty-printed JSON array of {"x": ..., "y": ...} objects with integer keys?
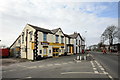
[
  {"x": 64, "y": 63},
  {"x": 110, "y": 76},
  {"x": 94, "y": 68},
  {"x": 32, "y": 67},
  {"x": 11, "y": 70},
  {"x": 70, "y": 62},
  {"x": 78, "y": 61},
  {"x": 102, "y": 69},
  {"x": 81, "y": 73},
  {"x": 92, "y": 64},
  {"x": 105, "y": 72},
  {"x": 40, "y": 66},
  {"x": 50, "y": 65},
  {"x": 28, "y": 77},
  {"x": 96, "y": 71},
  {"x": 57, "y": 64}
]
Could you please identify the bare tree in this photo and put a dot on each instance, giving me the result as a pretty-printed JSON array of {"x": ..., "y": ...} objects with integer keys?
[{"x": 109, "y": 34}]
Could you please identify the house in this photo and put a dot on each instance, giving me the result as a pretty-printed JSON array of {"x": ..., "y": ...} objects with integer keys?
[
  {"x": 15, "y": 47},
  {"x": 36, "y": 43},
  {"x": 69, "y": 45},
  {"x": 79, "y": 43}
]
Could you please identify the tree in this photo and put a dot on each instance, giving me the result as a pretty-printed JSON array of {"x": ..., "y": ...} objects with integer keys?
[{"x": 109, "y": 34}]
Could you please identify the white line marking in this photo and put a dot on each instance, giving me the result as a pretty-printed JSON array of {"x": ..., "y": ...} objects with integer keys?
[
  {"x": 28, "y": 77},
  {"x": 57, "y": 64},
  {"x": 64, "y": 63},
  {"x": 50, "y": 65},
  {"x": 11, "y": 70},
  {"x": 40, "y": 66},
  {"x": 102, "y": 69},
  {"x": 96, "y": 72},
  {"x": 70, "y": 62},
  {"x": 105, "y": 72},
  {"x": 81, "y": 73},
  {"x": 32, "y": 67},
  {"x": 110, "y": 77},
  {"x": 94, "y": 68},
  {"x": 78, "y": 61}
]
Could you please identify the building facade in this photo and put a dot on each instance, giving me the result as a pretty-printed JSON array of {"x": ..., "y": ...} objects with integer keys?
[{"x": 36, "y": 43}]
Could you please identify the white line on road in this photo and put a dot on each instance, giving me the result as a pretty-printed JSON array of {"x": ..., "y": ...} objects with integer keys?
[
  {"x": 102, "y": 69},
  {"x": 96, "y": 71},
  {"x": 64, "y": 63},
  {"x": 94, "y": 68},
  {"x": 57, "y": 64},
  {"x": 70, "y": 62},
  {"x": 32, "y": 67},
  {"x": 81, "y": 73},
  {"x": 28, "y": 77},
  {"x": 11, "y": 70},
  {"x": 49, "y": 65},
  {"x": 40, "y": 66}
]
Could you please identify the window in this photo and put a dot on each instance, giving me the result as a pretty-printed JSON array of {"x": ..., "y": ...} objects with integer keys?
[
  {"x": 23, "y": 37},
  {"x": 19, "y": 41},
  {"x": 69, "y": 40},
  {"x": 62, "y": 39},
  {"x": 45, "y": 51},
  {"x": 44, "y": 37},
  {"x": 49, "y": 51},
  {"x": 30, "y": 35},
  {"x": 79, "y": 42},
  {"x": 57, "y": 39},
  {"x": 76, "y": 41},
  {"x": 40, "y": 51}
]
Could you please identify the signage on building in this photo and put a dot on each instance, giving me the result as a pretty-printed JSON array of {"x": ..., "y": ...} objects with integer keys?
[
  {"x": 44, "y": 43},
  {"x": 45, "y": 46}
]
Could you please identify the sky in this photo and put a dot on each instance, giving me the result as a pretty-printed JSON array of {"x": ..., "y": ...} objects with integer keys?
[{"x": 90, "y": 19}]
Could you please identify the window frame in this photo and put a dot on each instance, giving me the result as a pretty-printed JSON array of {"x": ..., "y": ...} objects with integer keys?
[{"x": 45, "y": 37}]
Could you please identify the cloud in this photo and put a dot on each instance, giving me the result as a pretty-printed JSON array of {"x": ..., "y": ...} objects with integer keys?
[{"x": 70, "y": 16}]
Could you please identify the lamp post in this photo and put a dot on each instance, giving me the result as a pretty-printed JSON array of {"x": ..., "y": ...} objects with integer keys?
[{"x": 85, "y": 40}]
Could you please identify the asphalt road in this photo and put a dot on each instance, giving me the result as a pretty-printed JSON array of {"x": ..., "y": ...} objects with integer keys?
[
  {"x": 62, "y": 67},
  {"x": 109, "y": 62}
]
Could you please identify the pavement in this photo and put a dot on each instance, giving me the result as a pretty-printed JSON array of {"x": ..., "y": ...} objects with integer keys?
[
  {"x": 11, "y": 60},
  {"x": 62, "y": 67}
]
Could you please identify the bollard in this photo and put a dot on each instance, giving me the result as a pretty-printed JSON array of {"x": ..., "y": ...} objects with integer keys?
[
  {"x": 77, "y": 57},
  {"x": 80, "y": 57},
  {"x": 84, "y": 57}
]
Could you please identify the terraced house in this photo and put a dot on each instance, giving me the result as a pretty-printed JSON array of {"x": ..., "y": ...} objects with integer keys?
[{"x": 37, "y": 42}]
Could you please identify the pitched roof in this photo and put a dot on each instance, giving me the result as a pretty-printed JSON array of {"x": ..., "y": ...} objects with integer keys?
[
  {"x": 15, "y": 41},
  {"x": 41, "y": 29},
  {"x": 55, "y": 30},
  {"x": 74, "y": 35}
]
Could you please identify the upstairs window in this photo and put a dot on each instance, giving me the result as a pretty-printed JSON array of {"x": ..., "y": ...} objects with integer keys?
[
  {"x": 69, "y": 40},
  {"x": 19, "y": 41},
  {"x": 57, "y": 38},
  {"x": 44, "y": 37},
  {"x": 62, "y": 37},
  {"x": 31, "y": 33},
  {"x": 79, "y": 42},
  {"x": 76, "y": 41},
  {"x": 22, "y": 37}
]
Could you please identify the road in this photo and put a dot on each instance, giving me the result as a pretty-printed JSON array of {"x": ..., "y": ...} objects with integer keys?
[
  {"x": 109, "y": 61},
  {"x": 62, "y": 67}
]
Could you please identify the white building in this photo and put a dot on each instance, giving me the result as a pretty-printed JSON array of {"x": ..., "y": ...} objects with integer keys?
[{"x": 36, "y": 42}]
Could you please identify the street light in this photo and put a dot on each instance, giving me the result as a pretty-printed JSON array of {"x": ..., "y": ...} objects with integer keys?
[{"x": 85, "y": 40}]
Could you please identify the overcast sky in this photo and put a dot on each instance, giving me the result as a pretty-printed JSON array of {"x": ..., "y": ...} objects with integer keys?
[{"x": 74, "y": 16}]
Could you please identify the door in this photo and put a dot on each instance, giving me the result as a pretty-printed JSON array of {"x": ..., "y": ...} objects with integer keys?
[
  {"x": 55, "y": 52},
  {"x": 45, "y": 52}
]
